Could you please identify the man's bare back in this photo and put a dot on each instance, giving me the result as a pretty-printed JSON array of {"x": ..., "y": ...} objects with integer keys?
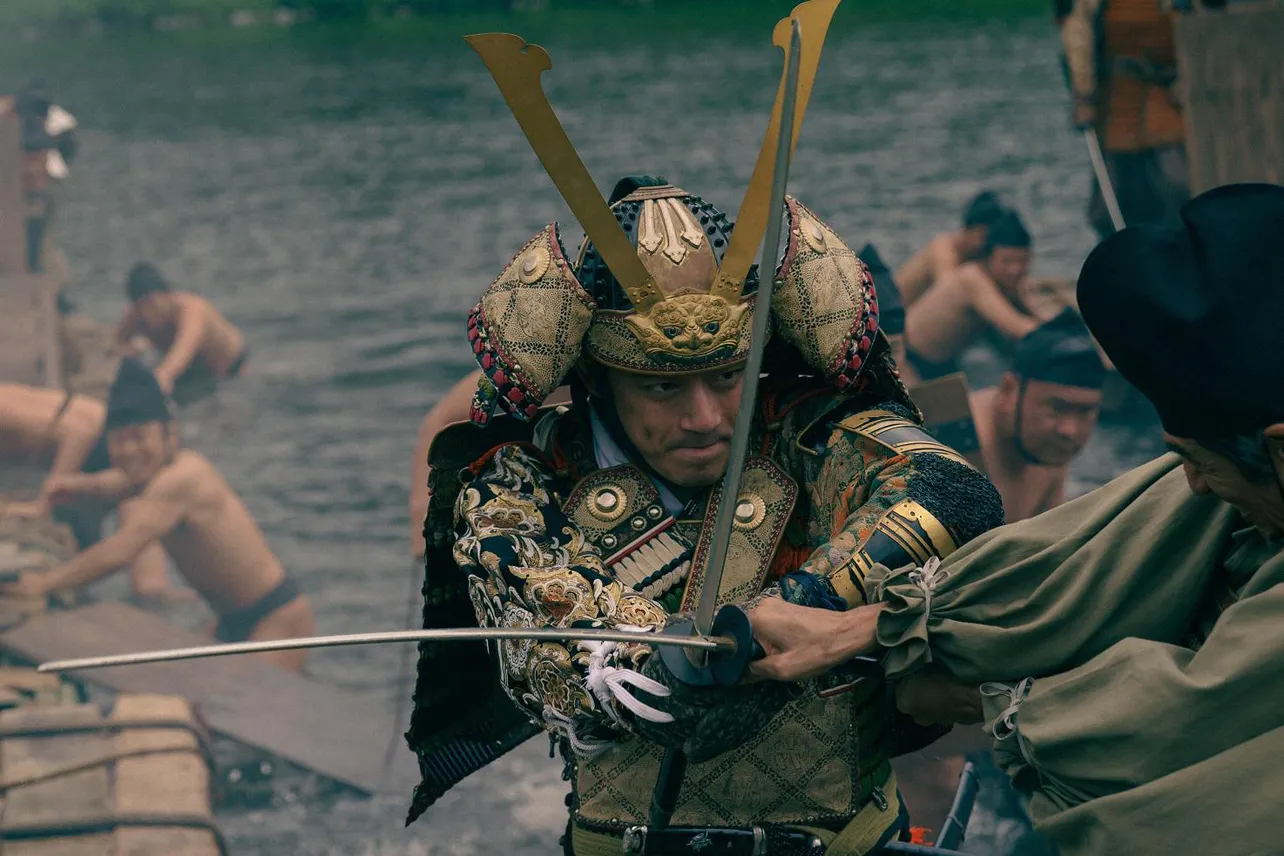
[
  {"x": 217, "y": 342},
  {"x": 1027, "y": 489},
  {"x": 956, "y": 309},
  {"x": 30, "y": 425},
  {"x": 216, "y": 545},
  {"x": 937, "y": 258}
]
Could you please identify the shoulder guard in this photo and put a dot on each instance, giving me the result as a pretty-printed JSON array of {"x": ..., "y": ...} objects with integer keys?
[
  {"x": 898, "y": 435},
  {"x": 459, "y": 447}
]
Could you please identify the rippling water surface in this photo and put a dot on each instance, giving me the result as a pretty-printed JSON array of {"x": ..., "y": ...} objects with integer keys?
[{"x": 345, "y": 201}]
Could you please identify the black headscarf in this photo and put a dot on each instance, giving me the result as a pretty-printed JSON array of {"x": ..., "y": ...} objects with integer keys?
[
  {"x": 135, "y": 397},
  {"x": 1060, "y": 351}
]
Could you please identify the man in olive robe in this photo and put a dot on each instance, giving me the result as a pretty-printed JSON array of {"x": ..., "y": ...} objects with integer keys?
[{"x": 1124, "y": 649}]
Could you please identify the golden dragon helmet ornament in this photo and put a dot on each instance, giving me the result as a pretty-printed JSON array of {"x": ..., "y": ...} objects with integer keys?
[{"x": 663, "y": 283}]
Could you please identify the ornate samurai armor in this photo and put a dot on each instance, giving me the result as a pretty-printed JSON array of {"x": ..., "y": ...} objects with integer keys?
[{"x": 534, "y": 522}]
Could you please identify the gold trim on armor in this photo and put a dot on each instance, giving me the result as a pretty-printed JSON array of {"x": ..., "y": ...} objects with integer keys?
[
  {"x": 906, "y": 533},
  {"x": 898, "y": 434}
]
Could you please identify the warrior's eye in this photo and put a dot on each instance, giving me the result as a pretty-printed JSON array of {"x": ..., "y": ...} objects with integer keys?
[
  {"x": 672, "y": 332},
  {"x": 711, "y": 327}
]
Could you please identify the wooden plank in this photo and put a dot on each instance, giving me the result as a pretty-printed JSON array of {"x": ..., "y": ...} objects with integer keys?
[
  {"x": 337, "y": 734},
  {"x": 947, "y": 413},
  {"x": 65, "y": 799},
  {"x": 13, "y": 209},
  {"x": 1232, "y": 83},
  {"x": 30, "y": 345},
  {"x": 175, "y": 782}
]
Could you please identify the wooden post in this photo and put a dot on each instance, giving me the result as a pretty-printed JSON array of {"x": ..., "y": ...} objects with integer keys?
[
  {"x": 1232, "y": 79},
  {"x": 30, "y": 346},
  {"x": 13, "y": 209}
]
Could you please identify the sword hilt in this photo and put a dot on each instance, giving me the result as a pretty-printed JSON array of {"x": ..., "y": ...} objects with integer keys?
[{"x": 721, "y": 668}]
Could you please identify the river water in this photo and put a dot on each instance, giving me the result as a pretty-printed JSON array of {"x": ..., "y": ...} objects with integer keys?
[{"x": 345, "y": 200}]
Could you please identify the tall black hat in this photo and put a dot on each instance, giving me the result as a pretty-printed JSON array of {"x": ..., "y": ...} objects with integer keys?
[
  {"x": 135, "y": 397},
  {"x": 1060, "y": 351},
  {"x": 1192, "y": 315}
]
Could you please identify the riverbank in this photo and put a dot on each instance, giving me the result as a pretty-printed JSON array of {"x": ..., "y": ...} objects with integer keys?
[{"x": 37, "y": 19}]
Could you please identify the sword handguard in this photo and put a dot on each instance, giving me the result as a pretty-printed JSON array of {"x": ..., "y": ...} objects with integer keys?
[{"x": 723, "y": 668}]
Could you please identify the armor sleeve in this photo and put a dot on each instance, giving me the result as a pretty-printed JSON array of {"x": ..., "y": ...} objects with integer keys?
[
  {"x": 1078, "y": 41},
  {"x": 529, "y": 565},
  {"x": 888, "y": 493}
]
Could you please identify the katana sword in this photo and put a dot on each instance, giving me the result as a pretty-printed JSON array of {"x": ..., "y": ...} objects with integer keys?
[
  {"x": 673, "y": 765},
  {"x": 1103, "y": 179},
  {"x": 452, "y": 634},
  {"x": 727, "y": 502}
]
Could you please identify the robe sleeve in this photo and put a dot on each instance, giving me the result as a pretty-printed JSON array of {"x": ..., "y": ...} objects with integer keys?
[
  {"x": 529, "y": 565},
  {"x": 1144, "y": 710},
  {"x": 1047, "y": 594}
]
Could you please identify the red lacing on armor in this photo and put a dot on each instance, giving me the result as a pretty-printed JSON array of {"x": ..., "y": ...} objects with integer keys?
[{"x": 514, "y": 390}]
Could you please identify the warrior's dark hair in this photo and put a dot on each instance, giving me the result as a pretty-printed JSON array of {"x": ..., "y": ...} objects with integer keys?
[
  {"x": 143, "y": 280},
  {"x": 983, "y": 210},
  {"x": 1007, "y": 231}
]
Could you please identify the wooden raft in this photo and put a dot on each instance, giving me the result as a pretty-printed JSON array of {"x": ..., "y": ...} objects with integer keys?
[
  {"x": 1232, "y": 80},
  {"x": 75, "y": 783},
  {"x": 340, "y": 735}
]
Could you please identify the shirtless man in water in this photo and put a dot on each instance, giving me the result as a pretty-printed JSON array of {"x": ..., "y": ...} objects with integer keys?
[
  {"x": 979, "y": 295},
  {"x": 48, "y": 427},
  {"x": 200, "y": 346},
  {"x": 1041, "y": 415},
  {"x": 947, "y": 251},
  {"x": 185, "y": 504}
]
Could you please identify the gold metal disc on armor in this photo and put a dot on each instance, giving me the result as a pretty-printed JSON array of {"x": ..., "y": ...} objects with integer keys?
[
  {"x": 813, "y": 235},
  {"x": 607, "y": 503},
  {"x": 751, "y": 510},
  {"x": 534, "y": 264}
]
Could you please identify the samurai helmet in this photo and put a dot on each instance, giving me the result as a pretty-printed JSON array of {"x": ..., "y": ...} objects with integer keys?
[{"x": 663, "y": 283}]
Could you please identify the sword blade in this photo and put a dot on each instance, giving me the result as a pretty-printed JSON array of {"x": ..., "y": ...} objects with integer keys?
[
  {"x": 1103, "y": 179},
  {"x": 753, "y": 366},
  {"x": 452, "y": 634}
]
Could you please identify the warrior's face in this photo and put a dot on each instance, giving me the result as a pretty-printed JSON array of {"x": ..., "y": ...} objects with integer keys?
[
  {"x": 139, "y": 451},
  {"x": 1008, "y": 266},
  {"x": 1053, "y": 421},
  {"x": 1258, "y": 497},
  {"x": 682, "y": 424},
  {"x": 156, "y": 309}
]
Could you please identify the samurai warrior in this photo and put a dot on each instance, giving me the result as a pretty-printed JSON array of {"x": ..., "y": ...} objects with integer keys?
[{"x": 599, "y": 514}]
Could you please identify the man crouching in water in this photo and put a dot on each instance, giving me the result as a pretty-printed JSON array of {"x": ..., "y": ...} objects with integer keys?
[{"x": 184, "y": 503}]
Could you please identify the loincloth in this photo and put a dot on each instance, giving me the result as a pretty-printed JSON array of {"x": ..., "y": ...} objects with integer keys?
[{"x": 237, "y": 624}]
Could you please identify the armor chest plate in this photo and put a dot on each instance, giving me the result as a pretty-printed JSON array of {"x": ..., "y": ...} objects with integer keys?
[{"x": 646, "y": 548}]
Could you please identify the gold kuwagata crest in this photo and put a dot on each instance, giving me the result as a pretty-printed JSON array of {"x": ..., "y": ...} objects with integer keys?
[{"x": 687, "y": 308}]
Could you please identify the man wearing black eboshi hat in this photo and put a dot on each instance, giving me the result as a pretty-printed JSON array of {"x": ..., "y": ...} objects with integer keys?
[
  {"x": 1125, "y": 645},
  {"x": 1041, "y": 415},
  {"x": 181, "y": 501}
]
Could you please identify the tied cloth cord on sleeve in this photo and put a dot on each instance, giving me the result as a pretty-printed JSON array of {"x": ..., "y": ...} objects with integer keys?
[
  {"x": 927, "y": 578},
  {"x": 1006, "y": 726}
]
